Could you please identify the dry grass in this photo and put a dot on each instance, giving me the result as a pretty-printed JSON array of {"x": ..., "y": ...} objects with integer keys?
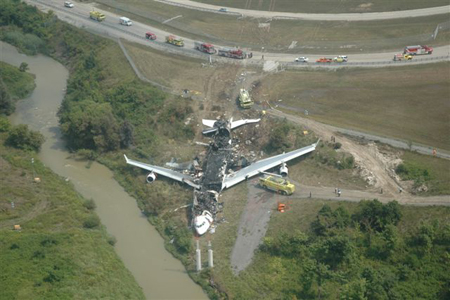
[{"x": 409, "y": 103}]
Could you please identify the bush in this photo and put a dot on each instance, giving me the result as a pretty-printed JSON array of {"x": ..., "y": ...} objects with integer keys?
[
  {"x": 112, "y": 240},
  {"x": 4, "y": 124},
  {"x": 92, "y": 221},
  {"x": 337, "y": 146},
  {"x": 23, "y": 138},
  {"x": 89, "y": 204}
]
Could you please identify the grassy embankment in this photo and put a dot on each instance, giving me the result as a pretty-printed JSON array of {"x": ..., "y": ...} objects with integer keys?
[
  {"x": 325, "y": 6},
  {"x": 61, "y": 252},
  {"x": 14, "y": 85},
  {"x": 408, "y": 103},
  {"x": 431, "y": 172},
  {"x": 311, "y": 36},
  {"x": 406, "y": 260}
]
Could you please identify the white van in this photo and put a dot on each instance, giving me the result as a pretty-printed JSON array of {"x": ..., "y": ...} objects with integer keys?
[{"x": 125, "y": 21}]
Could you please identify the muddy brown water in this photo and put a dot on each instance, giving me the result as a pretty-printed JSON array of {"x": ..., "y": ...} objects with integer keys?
[{"x": 139, "y": 245}]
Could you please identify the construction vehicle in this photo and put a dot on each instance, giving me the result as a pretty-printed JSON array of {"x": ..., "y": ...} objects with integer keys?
[
  {"x": 232, "y": 53},
  {"x": 176, "y": 41},
  {"x": 204, "y": 47},
  {"x": 417, "y": 50},
  {"x": 277, "y": 184},
  {"x": 324, "y": 60},
  {"x": 150, "y": 36},
  {"x": 398, "y": 57},
  {"x": 245, "y": 101},
  {"x": 97, "y": 16}
]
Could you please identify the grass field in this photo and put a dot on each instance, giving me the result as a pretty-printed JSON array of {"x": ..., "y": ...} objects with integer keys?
[
  {"x": 54, "y": 256},
  {"x": 311, "y": 36},
  {"x": 437, "y": 172},
  {"x": 409, "y": 103},
  {"x": 325, "y": 6}
]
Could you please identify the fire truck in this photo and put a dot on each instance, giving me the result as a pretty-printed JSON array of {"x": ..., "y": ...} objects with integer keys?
[
  {"x": 244, "y": 99},
  {"x": 232, "y": 53},
  {"x": 398, "y": 57},
  {"x": 417, "y": 50},
  {"x": 176, "y": 41},
  {"x": 96, "y": 15},
  {"x": 204, "y": 47}
]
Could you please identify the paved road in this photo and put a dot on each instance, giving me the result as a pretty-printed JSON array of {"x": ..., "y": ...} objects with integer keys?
[
  {"x": 110, "y": 27},
  {"x": 317, "y": 17}
]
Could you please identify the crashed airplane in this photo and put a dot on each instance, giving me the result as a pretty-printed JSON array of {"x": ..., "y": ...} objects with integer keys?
[{"x": 217, "y": 171}]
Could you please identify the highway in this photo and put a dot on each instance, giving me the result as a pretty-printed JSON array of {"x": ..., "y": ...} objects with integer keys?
[
  {"x": 372, "y": 16},
  {"x": 110, "y": 27}
]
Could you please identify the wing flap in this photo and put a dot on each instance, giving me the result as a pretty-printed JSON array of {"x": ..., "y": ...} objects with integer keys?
[{"x": 235, "y": 124}]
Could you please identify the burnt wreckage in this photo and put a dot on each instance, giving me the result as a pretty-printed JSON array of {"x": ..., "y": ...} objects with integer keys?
[
  {"x": 222, "y": 168},
  {"x": 219, "y": 159}
]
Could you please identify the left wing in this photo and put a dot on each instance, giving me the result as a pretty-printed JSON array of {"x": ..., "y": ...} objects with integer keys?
[
  {"x": 164, "y": 172},
  {"x": 265, "y": 164}
]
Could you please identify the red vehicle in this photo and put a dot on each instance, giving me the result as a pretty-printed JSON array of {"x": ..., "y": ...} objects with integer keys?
[
  {"x": 150, "y": 36},
  {"x": 324, "y": 60},
  {"x": 233, "y": 53},
  {"x": 204, "y": 47},
  {"x": 417, "y": 50}
]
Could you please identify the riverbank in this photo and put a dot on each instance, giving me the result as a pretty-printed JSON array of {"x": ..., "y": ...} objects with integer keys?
[
  {"x": 15, "y": 84},
  {"x": 138, "y": 244}
]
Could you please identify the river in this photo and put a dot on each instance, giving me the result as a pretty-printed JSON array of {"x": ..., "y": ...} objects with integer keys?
[{"x": 139, "y": 245}]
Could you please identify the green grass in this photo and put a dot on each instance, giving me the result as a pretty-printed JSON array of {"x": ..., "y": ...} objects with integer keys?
[
  {"x": 312, "y": 36},
  {"x": 433, "y": 172},
  {"x": 19, "y": 84},
  {"x": 53, "y": 256},
  {"x": 408, "y": 103},
  {"x": 325, "y": 6}
]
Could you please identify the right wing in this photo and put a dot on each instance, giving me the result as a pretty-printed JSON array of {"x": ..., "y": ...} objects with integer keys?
[
  {"x": 164, "y": 172},
  {"x": 235, "y": 124},
  {"x": 265, "y": 164}
]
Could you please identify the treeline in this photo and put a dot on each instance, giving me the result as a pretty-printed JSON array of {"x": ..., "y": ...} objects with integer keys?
[{"x": 361, "y": 255}]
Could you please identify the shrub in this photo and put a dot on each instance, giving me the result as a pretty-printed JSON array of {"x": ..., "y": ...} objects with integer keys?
[
  {"x": 92, "y": 221},
  {"x": 23, "y": 138},
  {"x": 89, "y": 204}
]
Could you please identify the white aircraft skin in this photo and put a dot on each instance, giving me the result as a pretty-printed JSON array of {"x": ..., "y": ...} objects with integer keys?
[{"x": 208, "y": 186}]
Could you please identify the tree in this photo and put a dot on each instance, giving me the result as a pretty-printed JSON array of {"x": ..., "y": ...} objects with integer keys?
[
  {"x": 373, "y": 215},
  {"x": 23, "y": 138},
  {"x": 23, "y": 67}
]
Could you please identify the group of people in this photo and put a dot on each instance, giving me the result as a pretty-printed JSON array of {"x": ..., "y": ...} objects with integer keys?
[{"x": 337, "y": 191}]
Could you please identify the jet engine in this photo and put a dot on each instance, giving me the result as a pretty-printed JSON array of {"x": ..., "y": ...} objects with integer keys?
[
  {"x": 284, "y": 170},
  {"x": 151, "y": 177}
]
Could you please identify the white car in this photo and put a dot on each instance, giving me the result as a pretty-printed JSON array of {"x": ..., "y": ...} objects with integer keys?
[
  {"x": 223, "y": 9},
  {"x": 68, "y": 4},
  {"x": 343, "y": 57},
  {"x": 301, "y": 59}
]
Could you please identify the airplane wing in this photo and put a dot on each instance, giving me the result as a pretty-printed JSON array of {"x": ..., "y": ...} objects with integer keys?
[
  {"x": 164, "y": 172},
  {"x": 235, "y": 124},
  {"x": 265, "y": 164},
  {"x": 209, "y": 123}
]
